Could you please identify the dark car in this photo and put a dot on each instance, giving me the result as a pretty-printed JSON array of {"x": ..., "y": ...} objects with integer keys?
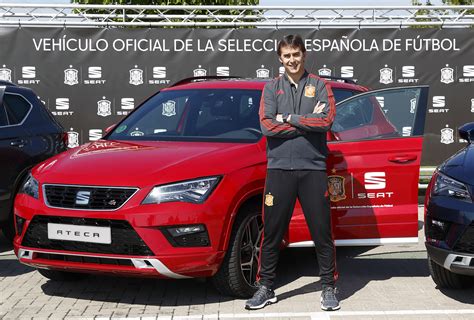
[
  {"x": 449, "y": 217},
  {"x": 28, "y": 135}
]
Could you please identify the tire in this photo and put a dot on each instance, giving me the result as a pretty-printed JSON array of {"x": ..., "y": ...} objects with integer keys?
[
  {"x": 447, "y": 279},
  {"x": 8, "y": 230},
  {"x": 237, "y": 273},
  {"x": 56, "y": 275}
]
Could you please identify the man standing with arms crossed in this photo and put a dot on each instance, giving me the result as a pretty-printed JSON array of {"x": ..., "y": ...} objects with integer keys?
[{"x": 296, "y": 111}]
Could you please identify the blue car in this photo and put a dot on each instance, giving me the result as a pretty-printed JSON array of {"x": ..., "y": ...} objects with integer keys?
[{"x": 449, "y": 217}]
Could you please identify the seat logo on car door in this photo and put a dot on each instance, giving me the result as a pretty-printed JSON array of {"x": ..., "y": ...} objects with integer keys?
[{"x": 374, "y": 180}]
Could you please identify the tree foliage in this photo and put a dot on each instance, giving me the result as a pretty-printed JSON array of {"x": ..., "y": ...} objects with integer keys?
[{"x": 446, "y": 2}]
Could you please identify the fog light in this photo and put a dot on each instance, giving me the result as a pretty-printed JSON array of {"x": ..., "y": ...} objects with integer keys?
[
  {"x": 436, "y": 230},
  {"x": 187, "y": 236},
  {"x": 19, "y": 223},
  {"x": 440, "y": 224},
  {"x": 179, "y": 231}
]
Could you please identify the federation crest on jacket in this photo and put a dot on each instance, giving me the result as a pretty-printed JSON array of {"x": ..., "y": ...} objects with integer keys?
[{"x": 336, "y": 188}]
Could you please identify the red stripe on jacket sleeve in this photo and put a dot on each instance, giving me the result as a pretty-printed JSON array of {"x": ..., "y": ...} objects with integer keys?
[{"x": 269, "y": 123}]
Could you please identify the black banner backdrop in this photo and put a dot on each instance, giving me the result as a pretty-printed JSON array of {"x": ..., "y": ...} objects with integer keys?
[{"x": 91, "y": 78}]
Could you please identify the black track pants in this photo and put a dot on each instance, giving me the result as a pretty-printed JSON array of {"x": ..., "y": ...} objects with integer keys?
[{"x": 282, "y": 188}]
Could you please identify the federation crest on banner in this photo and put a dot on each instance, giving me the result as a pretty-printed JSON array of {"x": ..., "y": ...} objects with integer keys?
[
  {"x": 200, "y": 72},
  {"x": 281, "y": 71},
  {"x": 263, "y": 73},
  {"x": 412, "y": 105},
  {"x": 5, "y": 74},
  {"x": 324, "y": 71},
  {"x": 447, "y": 75},
  {"x": 136, "y": 76},
  {"x": 386, "y": 75},
  {"x": 169, "y": 108},
  {"x": 336, "y": 188},
  {"x": 104, "y": 107},
  {"x": 71, "y": 76},
  {"x": 447, "y": 135},
  {"x": 72, "y": 139}
]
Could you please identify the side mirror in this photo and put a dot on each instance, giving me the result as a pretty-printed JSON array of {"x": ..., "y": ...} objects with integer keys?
[
  {"x": 110, "y": 128},
  {"x": 466, "y": 132}
]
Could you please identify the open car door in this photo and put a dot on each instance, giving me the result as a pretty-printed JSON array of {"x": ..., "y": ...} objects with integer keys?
[{"x": 373, "y": 169}]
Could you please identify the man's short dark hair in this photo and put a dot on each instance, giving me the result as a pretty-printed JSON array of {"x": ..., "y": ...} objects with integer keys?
[{"x": 293, "y": 41}]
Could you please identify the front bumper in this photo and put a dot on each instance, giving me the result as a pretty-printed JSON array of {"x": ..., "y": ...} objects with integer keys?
[
  {"x": 460, "y": 263},
  {"x": 120, "y": 265},
  {"x": 161, "y": 259}
]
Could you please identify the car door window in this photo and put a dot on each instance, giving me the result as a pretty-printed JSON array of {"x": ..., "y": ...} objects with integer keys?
[
  {"x": 16, "y": 107},
  {"x": 380, "y": 114},
  {"x": 3, "y": 117},
  {"x": 343, "y": 94}
]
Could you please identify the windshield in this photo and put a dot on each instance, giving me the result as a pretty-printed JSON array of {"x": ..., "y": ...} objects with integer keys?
[{"x": 217, "y": 115}]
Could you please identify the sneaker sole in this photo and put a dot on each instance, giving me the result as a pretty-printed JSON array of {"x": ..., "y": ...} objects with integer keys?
[{"x": 263, "y": 305}]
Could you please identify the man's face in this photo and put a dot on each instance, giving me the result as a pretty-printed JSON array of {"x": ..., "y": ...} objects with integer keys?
[{"x": 292, "y": 59}]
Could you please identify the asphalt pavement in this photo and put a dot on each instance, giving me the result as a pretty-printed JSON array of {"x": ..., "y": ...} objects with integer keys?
[{"x": 386, "y": 282}]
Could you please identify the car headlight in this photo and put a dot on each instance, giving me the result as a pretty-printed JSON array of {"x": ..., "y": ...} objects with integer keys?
[
  {"x": 194, "y": 191},
  {"x": 30, "y": 187},
  {"x": 446, "y": 186}
]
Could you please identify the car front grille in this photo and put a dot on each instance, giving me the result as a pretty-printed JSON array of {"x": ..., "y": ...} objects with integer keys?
[
  {"x": 125, "y": 241},
  {"x": 84, "y": 259},
  {"x": 86, "y": 197},
  {"x": 466, "y": 243}
]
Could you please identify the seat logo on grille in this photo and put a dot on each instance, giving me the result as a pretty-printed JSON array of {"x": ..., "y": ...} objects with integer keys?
[{"x": 82, "y": 197}]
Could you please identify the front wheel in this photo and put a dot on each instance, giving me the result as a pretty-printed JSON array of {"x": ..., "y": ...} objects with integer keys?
[
  {"x": 237, "y": 273},
  {"x": 447, "y": 279},
  {"x": 57, "y": 275}
]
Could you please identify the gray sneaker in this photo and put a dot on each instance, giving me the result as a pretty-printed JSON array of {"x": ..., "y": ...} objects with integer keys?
[
  {"x": 264, "y": 296},
  {"x": 329, "y": 301}
]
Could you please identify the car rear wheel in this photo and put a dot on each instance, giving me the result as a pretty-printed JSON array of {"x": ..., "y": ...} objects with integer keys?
[
  {"x": 8, "y": 230},
  {"x": 447, "y": 279},
  {"x": 237, "y": 274},
  {"x": 57, "y": 275}
]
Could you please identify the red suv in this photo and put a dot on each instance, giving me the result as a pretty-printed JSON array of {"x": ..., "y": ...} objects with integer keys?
[{"x": 175, "y": 189}]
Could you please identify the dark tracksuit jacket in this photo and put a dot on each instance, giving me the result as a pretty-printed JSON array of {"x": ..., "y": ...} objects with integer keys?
[{"x": 296, "y": 153}]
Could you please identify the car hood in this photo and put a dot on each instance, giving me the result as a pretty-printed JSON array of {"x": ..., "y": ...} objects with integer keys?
[
  {"x": 139, "y": 164},
  {"x": 460, "y": 166}
]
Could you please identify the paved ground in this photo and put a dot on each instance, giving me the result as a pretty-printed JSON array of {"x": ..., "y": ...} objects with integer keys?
[{"x": 390, "y": 282}]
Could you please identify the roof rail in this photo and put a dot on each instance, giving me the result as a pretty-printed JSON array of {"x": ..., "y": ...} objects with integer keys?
[
  {"x": 202, "y": 78},
  {"x": 7, "y": 83},
  {"x": 339, "y": 79}
]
